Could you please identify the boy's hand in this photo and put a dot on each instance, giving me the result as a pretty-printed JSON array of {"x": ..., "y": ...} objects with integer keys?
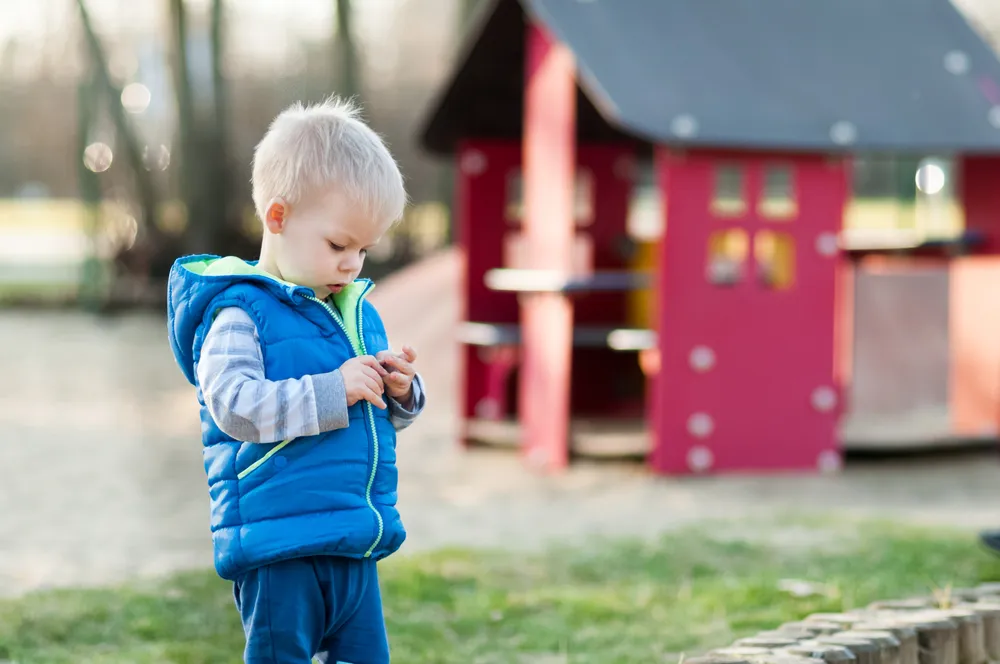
[
  {"x": 363, "y": 380},
  {"x": 399, "y": 380}
]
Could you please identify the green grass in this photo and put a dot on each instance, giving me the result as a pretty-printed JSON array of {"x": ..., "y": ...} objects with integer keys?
[{"x": 611, "y": 602}]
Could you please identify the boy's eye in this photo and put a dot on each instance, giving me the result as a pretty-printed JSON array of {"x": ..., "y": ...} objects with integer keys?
[{"x": 336, "y": 247}]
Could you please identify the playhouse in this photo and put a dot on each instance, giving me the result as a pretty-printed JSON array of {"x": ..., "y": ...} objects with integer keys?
[{"x": 723, "y": 340}]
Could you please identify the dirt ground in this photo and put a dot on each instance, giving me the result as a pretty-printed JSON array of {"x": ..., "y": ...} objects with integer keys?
[{"x": 101, "y": 472}]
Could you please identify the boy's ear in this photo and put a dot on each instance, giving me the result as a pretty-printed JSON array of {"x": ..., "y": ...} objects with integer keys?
[{"x": 276, "y": 214}]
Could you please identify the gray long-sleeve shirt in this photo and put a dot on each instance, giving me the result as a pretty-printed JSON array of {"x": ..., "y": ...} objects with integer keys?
[{"x": 251, "y": 408}]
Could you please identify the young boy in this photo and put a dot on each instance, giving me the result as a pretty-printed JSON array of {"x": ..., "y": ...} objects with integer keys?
[{"x": 300, "y": 396}]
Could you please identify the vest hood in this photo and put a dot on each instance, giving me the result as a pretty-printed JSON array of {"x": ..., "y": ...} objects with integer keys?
[{"x": 196, "y": 281}]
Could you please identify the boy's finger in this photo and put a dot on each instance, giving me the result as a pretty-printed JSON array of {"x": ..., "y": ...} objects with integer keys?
[
  {"x": 375, "y": 400},
  {"x": 374, "y": 384},
  {"x": 380, "y": 368},
  {"x": 397, "y": 379},
  {"x": 372, "y": 374},
  {"x": 373, "y": 362},
  {"x": 387, "y": 356},
  {"x": 399, "y": 364},
  {"x": 409, "y": 354}
]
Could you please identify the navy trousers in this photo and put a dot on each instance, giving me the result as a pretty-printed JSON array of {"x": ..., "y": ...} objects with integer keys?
[{"x": 326, "y": 606}]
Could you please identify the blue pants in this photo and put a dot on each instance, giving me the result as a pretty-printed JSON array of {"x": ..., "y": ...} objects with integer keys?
[{"x": 320, "y": 605}]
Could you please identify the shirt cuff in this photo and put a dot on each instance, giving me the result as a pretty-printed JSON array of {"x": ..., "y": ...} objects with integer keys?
[
  {"x": 404, "y": 414},
  {"x": 415, "y": 403},
  {"x": 331, "y": 401}
]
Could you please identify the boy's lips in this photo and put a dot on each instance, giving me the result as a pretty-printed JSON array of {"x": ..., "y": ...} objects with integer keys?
[{"x": 335, "y": 288}]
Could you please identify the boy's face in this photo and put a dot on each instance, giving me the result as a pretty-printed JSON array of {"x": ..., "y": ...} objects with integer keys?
[{"x": 322, "y": 241}]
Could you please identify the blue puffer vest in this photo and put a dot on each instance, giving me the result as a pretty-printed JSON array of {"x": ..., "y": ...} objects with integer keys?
[{"x": 334, "y": 493}]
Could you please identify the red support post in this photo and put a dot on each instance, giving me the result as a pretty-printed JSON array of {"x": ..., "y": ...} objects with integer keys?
[
  {"x": 981, "y": 199},
  {"x": 549, "y": 158},
  {"x": 974, "y": 318}
]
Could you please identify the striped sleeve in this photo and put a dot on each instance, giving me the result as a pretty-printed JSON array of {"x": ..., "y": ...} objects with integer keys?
[{"x": 248, "y": 406}]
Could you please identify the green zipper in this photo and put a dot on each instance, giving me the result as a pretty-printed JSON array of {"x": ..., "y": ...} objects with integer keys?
[
  {"x": 359, "y": 349},
  {"x": 260, "y": 462}
]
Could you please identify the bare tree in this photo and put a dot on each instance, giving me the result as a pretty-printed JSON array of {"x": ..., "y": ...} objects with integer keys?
[
  {"x": 92, "y": 294},
  {"x": 469, "y": 8},
  {"x": 204, "y": 185},
  {"x": 145, "y": 188},
  {"x": 348, "y": 77},
  {"x": 149, "y": 255}
]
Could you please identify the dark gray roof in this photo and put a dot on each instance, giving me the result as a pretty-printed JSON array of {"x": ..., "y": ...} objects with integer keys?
[{"x": 893, "y": 75}]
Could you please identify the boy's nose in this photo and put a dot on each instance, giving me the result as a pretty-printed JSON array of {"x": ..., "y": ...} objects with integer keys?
[{"x": 350, "y": 265}]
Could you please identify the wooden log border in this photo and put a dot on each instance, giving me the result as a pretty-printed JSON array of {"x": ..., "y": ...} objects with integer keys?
[{"x": 958, "y": 627}]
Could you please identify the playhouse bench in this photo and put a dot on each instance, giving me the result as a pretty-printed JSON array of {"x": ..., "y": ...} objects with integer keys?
[
  {"x": 859, "y": 245},
  {"x": 589, "y": 437},
  {"x": 551, "y": 281},
  {"x": 593, "y": 438},
  {"x": 584, "y": 336},
  {"x": 619, "y": 438}
]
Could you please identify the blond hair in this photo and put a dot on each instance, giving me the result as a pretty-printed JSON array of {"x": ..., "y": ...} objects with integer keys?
[{"x": 308, "y": 147}]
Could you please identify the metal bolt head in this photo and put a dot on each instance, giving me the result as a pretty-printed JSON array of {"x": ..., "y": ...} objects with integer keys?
[
  {"x": 824, "y": 399},
  {"x": 957, "y": 62},
  {"x": 829, "y": 462},
  {"x": 700, "y": 425},
  {"x": 827, "y": 244},
  {"x": 700, "y": 459},
  {"x": 684, "y": 126},
  {"x": 488, "y": 409},
  {"x": 473, "y": 162},
  {"x": 994, "y": 116},
  {"x": 702, "y": 359},
  {"x": 843, "y": 133}
]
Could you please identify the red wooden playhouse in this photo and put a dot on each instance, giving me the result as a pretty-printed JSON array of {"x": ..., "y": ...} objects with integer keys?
[{"x": 725, "y": 355}]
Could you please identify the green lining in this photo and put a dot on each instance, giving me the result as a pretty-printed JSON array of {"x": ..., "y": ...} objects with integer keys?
[
  {"x": 230, "y": 265},
  {"x": 348, "y": 303}
]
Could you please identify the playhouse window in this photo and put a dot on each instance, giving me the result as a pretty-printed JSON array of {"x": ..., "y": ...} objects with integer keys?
[
  {"x": 583, "y": 197},
  {"x": 727, "y": 256},
  {"x": 778, "y": 202},
  {"x": 891, "y": 198},
  {"x": 774, "y": 254},
  {"x": 645, "y": 209},
  {"x": 729, "y": 196}
]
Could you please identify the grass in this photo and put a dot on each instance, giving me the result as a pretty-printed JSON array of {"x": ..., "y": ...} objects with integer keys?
[{"x": 614, "y": 602}]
